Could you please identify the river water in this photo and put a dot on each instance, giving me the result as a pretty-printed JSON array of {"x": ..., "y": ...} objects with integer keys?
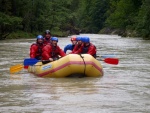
[{"x": 124, "y": 88}]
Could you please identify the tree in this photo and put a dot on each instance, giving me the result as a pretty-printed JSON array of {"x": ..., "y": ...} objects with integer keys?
[
  {"x": 124, "y": 15},
  {"x": 8, "y": 22},
  {"x": 98, "y": 14},
  {"x": 143, "y": 26}
]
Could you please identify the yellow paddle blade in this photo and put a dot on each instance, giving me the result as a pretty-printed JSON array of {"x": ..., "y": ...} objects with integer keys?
[{"x": 16, "y": 68}]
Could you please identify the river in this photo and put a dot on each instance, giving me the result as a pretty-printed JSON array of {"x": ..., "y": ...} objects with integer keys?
[{"x": 124, "y": 88}]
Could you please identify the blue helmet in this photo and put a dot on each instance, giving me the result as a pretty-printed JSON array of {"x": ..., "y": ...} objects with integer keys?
[
  {"x": 39, "y": 37},
  {"x": 78, "y": 38},
  {"x": 54, "y": 39},
  {"x": 85, "y": 39}
]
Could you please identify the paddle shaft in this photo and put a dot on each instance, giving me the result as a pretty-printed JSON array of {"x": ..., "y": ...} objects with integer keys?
[{"x": 106, "y": 56}]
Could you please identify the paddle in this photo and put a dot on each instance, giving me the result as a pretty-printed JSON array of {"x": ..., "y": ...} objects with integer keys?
[
  {"x": 113, "y": 61},
  {"x": 106, "y": 56},
  {"x": 19, "y": 67},
  {"x": 27, "y": 62},
  {"x": 16, "y": 68},
  {"x": 30, "y": 61}
]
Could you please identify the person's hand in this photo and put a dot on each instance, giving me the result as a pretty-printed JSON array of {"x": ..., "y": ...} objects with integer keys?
[{"x": 50, "y": 59}]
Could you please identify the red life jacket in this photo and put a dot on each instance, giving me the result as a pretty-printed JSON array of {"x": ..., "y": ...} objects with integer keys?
[
  {"x": 47, "y": 41},
  {"x": 76, "y": 48},
  {"x": 38, "y": 50},
  {"x": 90, "y": 49},
  {"x": 55, "y": 52},
  {"x": 50, "y": 51}
]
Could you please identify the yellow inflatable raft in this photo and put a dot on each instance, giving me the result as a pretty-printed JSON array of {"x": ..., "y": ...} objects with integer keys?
[{"x": 72, "y": 64}]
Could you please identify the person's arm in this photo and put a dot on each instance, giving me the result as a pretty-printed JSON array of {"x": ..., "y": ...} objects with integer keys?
[
  {"x": 33, "y": 50},
  {"x": 46, "y": 52},
  {"x": 92, "y": 50},
  {"x": 74, "y": 49},
  {"x": 61, "y": 52},
  {"x": 79, "y": 49},
  {"x": 68, "y": 47}
]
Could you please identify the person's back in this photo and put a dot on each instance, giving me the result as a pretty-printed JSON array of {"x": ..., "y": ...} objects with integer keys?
[
  {"x": 52, "y": 51},
  {"x": 71, "y": 46},
  {"x": 36, "y": 48}
]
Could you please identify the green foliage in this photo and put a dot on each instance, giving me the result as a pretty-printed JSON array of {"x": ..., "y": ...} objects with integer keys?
[
  {"x": 66, "y": 17},
  {"x": 98, "y": 14},
  {"x": 5, "y": 6},
  {"x": 123, "y": 15},
  {"x": 21, "y": 34},
  {"x": 143, "y": 26},
  {"x": 8, "y": 24},
  {"x": 84, "y": 18}
]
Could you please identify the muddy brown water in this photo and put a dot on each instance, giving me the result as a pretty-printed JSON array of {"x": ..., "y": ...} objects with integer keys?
[{"x": 124, "y": 88}]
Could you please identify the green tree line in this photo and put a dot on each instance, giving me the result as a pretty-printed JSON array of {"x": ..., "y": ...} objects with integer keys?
[{"x": 66, "y": 17}]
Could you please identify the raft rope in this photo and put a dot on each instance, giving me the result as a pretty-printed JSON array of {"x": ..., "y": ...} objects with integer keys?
[{"x": 84, "y": 63}]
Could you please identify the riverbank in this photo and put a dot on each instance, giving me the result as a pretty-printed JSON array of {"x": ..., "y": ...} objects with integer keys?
[
  {"x": 120, "y": 32},
  {"x": 109, "y": 31},
  {"x": 22, "y": 34},
  {"x": 123, "y": 33}
]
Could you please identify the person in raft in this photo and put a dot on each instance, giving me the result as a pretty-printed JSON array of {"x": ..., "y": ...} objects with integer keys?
[
  {"x": 47, "y": 37},
  {"x": 87, "y": 47},
  {"x": 52, "y": 51},
  {"x": 77, "y": 46},
  {"x": 36, "y": 48},
  {"x": 71, "y": 46}
]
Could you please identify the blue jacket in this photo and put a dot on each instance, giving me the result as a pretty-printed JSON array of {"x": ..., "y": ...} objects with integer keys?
[{"x": 68, "y": 47}]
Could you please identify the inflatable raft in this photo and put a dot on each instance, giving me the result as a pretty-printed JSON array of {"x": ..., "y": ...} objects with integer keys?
[{"x": 72, "y": 64}]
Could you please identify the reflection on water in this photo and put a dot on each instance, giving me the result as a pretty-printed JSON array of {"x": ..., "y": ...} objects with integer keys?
[{"x": 124, "y": 88}]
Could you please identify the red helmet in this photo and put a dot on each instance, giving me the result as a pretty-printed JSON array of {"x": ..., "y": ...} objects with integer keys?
[{"x": 73, "y": 38}]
